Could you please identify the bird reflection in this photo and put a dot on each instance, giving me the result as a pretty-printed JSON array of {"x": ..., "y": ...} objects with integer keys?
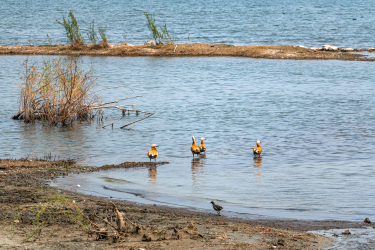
[
  {"x": 258, "y": 164},
  {"x": 152, "y": 173},
  {"x": 197, "y": 169}
]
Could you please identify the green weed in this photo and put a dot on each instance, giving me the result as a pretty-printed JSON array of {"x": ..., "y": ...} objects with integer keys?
[{"x": 72, "y": 29}]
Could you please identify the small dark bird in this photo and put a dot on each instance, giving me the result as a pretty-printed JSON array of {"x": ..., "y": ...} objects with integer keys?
[{"x": 217, "y": 208}]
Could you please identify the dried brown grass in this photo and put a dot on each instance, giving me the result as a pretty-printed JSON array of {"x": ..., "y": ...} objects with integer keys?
[{"x": 58, "y": 92}]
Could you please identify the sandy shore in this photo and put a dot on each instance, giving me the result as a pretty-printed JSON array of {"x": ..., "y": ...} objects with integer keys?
[
  {"x": 23, "y": 190},
  {"x": 187, "y": 50}
]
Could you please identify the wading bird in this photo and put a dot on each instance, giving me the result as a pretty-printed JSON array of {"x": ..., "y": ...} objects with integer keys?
[
  {"x": 257, "y": 150},
  {"x": 216, "y": 207},
  {"x": 152, "y": 154},
  {"x": 194, "y": 148},
  {"x": 202, "y": 147}
]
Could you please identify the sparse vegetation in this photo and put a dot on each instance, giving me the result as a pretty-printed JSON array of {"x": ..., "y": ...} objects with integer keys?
[
  {"x": 168, "y": 38},
  {"x": 152, "y": 26},
  {"x": 72, "y": 29},
  {"x": 91, "y": 33},
  {"x": 48, "y": 213},
  {"x": 49, "y": 40},
  {"x": 103, "y": 34},
  {"x": 162, "y": 36}
]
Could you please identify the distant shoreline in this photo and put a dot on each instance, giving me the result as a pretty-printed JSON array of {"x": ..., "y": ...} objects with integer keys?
[{"x": 191, "y": 50}]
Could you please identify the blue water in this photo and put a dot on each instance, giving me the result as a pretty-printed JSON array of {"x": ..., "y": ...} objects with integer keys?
[
  {"x": 314, "y": 119},
  {"x": 345, "y": 23}
]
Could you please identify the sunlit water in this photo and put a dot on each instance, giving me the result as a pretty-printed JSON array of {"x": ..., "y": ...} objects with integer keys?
[
  {"x": 314, "y": 119},
  {"x": 344, "y": 23}
]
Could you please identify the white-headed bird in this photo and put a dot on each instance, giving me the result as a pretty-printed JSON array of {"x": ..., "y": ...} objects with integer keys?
[
  {"x": 153, "y": 153},
  {"x": 257, "y": 150},
  {"x": 202, "y": 147},
  {"x": 194, "y": 148}
]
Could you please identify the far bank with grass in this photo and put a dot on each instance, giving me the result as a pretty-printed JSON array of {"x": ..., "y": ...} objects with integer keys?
[{"x": 186, "y": 50}]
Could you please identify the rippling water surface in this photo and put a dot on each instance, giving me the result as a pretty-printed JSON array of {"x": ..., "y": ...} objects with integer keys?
[
  {"x": 315, "y": 120},
  {"x": 344, "y": 23}
]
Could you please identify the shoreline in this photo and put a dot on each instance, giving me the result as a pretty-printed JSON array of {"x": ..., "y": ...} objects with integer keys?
[
  {"x": 21, "y": 180},
  {"x": 193, "y": 50}
]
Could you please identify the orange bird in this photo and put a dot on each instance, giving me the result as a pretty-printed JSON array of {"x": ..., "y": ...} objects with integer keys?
[
  {"x": 194, "y": 148},
  {"x": 202, "y": 147},
  {"x": 152, "y": 154},
  {"x": 257, "y": 150}
]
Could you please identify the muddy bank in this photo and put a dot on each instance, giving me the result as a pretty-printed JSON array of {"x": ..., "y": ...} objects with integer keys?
[
  {"x": 23, "y": 190},
  {"x": 187, "y": 50}
]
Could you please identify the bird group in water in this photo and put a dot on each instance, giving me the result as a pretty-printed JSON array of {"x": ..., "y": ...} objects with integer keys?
[{"x": 196, "y": 150}]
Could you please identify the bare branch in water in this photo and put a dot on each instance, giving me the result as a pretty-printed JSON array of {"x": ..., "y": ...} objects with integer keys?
[{"x": 137, "y": 120}]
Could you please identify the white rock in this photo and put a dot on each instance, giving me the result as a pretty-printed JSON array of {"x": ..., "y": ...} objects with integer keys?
[
  {"x": 78, "y": 185},
  {"x": 332, "y": 48},
  {"x": 347, "y": 49},
  {"x": 371, "y": 49},
  {"x": 301, "y": 46},
  {"x": 315, "y": 48},
  {"x": 150, "y": 43},
  {"x": 329, "y": 47}
]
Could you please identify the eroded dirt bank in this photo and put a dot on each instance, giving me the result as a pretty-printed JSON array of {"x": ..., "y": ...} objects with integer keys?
[
  {"x": 186, "y": 50},
  {"x": 23, "y": 189}
]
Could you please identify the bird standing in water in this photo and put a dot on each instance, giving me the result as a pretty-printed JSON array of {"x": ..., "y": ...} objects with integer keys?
[
  {"x": 257, "y": 150},
  {"x": 194, "y": 148},
  {"x": 152, "y": 154},
  {"x": 202, "y": 147},
  {"x": 216, "y": 207}
]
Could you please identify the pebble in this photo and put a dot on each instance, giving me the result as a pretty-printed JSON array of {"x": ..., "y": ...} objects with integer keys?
[
  {"x": 346, "y": 232},
  {"x": 78, "y": 185},
  {"x": 367, "y": 220}
]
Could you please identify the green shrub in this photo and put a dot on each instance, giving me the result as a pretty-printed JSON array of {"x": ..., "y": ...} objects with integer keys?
[
  {"x": 91, "y": 33},
  {"x": 103, "y": 34},
  {"x": 167, "y": 38},
  {"x": 49, "y": 40},
  {"x": 152, "y": 27},
  {"x": 72, "y": 29},
  {"x": 161, "y": 36}
]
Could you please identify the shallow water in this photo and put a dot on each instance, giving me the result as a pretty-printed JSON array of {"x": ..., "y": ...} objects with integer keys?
[
  {"x": 314, "y": 119},
  {"x": 345, "y": 23},
  {"x": 360, "y": 238}
]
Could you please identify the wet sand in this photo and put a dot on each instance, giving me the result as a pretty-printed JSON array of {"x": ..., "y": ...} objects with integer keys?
[
  {"x": 187, "y": 50},
  {"x": 22, "y": 182}
]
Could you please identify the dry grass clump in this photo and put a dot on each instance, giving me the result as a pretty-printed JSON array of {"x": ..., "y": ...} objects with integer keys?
[
  {"x": 98, "y": 46},
  {"x": 58, "y": 92}
]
